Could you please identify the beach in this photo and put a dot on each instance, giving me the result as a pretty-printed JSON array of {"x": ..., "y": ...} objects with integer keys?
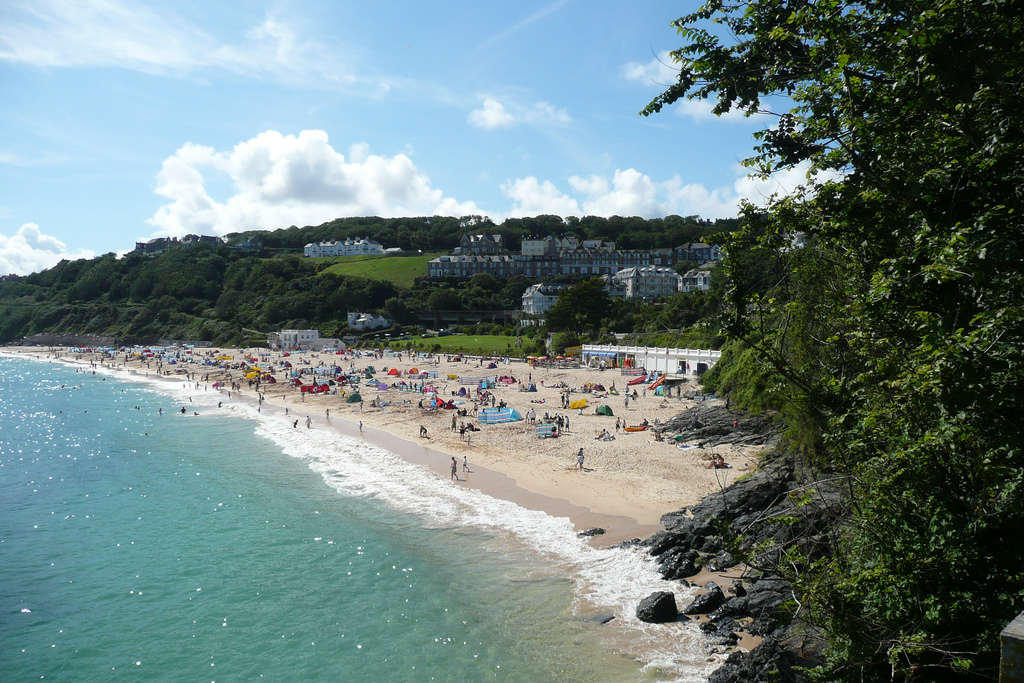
[{"x": 626, "y": 483}]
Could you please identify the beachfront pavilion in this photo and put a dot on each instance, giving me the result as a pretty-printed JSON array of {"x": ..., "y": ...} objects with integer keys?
[{"x": 653, "y": 359}]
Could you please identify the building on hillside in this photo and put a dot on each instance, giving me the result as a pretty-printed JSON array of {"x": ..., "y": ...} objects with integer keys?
[
  {"x": 157, "y": 245},
  {"x": 616, "y": 289},
  {"x": 357, "y": 246},
  {"x": 367, "y": 321},
  {"x": 698, "y": 252},
  {"x": 697, "y": 280},
  {"x": 662, "y": 360},
  {"x": 249, "y": 244},
  {"x": 539, "y": 246},
  {"x": 481, "y": 244},
  {"x": 649, "y": 282},
  {"x": 538, "y": 299},
  {"x": 196, "y": 240}
]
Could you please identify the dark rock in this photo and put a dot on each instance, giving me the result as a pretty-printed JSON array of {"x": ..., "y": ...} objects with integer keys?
[
  {"x": 769, "y": 662},
  {"x": 631, "y": 543},
  {"x": 730, "y": 609},
  {"x": 721, "y": 562},
  {"x": 662, "y": 541},
  {"x": 708, "y": 602},
  {"x": 678, "y": 564},
  {"x": 593, "y": 531},
  {"x": 738, "y": 590},
  {"x": 657, "y": 608}
]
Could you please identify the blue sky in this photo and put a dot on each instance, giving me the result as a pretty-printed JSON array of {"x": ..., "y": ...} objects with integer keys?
[{"x": 126, "y": 119}]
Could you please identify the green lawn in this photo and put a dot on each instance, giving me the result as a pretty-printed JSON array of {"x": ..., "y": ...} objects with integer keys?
[
  {"x": 400, "y": 270},
  {"x": 481, "y": 344}
]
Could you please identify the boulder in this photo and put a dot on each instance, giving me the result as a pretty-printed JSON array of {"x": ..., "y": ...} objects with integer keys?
[
  {"x": 593, "y": 531},
  {"x": 708, "y": 602},
  {"x": 658, "y": 608}
]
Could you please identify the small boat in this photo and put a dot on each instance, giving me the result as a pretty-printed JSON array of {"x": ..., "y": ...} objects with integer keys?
[{"x": 638, "y": 428}]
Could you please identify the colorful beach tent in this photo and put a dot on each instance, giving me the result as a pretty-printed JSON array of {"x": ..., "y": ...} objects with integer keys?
[
  {"x": 354, "y": 398},
  {"x": 579, "y": 403},
  {"x": 604, "y": 410},
  {"x": 394, "y": 371}
]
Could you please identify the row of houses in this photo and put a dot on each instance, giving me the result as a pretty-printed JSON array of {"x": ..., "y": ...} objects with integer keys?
[
  {"x": 357, "y": 246},
  {"x": 588, "y": 258},
  {"x": 643, "y": 282}
]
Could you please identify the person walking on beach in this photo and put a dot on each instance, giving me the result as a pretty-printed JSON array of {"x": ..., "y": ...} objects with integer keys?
[
  {"x": 579, "y": 459},
  {"x": 309, "y": 423},
  {"x": 295, "y": 425},
  {"x": 465, "y": 463},
  {"x": 360, "y": 426},
  {"x": 455, "y": 469}
]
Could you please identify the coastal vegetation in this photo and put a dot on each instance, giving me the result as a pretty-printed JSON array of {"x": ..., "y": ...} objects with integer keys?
[
  {"x": 226, "y": 295},
  {"x": 892, "y": 343}
]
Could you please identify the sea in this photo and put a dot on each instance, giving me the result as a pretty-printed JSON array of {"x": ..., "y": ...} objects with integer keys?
[{"x": 223, "y": 545}]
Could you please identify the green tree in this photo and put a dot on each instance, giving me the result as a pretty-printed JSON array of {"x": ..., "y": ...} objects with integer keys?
[
  {"x": 580, "y": 308},
  {"x": 899, "y": 327}
]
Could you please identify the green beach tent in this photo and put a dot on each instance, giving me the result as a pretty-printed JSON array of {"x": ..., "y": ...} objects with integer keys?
[
  {"x": 605, "y": 410},
  {"x": 354, "y": 398}
]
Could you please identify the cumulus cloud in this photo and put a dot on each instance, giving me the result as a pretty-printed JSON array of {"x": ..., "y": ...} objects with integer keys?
[
  {"x": 285, "y": 180},
  {"x": 29, "y": 251},
  {"x": 632, "y": 193},
  {"x": 127, "y": 34},
  {"x": 495, "y": 114},
  {"x": 660, "y": 71},
  {"x": 534, "y": 199},
  {"x": 491, "y": 115}
]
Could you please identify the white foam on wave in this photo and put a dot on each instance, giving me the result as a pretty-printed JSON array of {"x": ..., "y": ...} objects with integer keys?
[{"x": 607, "y": 579}]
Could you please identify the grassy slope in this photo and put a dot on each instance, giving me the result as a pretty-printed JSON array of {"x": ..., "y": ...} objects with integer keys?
[
  {"x": 401, "y": 270},
  {"x": 486, "y": 344}
]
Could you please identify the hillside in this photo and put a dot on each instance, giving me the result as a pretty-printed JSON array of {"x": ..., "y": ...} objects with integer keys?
[{"x": 401, "y": 271}]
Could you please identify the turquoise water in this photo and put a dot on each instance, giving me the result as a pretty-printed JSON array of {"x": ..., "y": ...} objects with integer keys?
[{"x": 135, "y": 546}]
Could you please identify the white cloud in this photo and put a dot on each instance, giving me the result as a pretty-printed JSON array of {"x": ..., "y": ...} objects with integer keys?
[
  {"x": 127, "y": 34},
  {"x": 660, "y": 71},
  {"x": 495, "y": 114},
  {"x": 491, "y": 115},
  {"x": 283, "y": 180},
  {"x": 533, "y": 199},
  {"x": 29, "y": 251},
  {"x": 631, "y": 193}
]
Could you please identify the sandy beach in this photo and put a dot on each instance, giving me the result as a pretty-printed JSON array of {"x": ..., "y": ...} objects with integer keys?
[{"x": 626, "y": 485}]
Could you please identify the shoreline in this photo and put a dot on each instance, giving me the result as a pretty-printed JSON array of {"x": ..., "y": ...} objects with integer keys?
[{"x": 624, "y": 489}]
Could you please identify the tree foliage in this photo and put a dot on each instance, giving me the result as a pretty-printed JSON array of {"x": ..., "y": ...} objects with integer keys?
[
  {"x": 580, "y": 308},
  {"x": 899, "y": 327}
]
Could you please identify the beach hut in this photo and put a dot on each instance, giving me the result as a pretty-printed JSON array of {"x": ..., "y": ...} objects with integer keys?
[
  {"x": 579, "y": 403},
  {"x": 354, "y": 398},
  {"x": 605, "y": 410}
]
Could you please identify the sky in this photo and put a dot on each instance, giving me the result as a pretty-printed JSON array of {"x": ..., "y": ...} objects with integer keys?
[{"x": 124, "y": 120}]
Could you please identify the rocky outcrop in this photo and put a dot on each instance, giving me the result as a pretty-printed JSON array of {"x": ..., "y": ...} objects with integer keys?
[
  {"x": 712, "y": 424},
  {"x": 783, "y": 502},
  {"x": 658, "y": 608}
]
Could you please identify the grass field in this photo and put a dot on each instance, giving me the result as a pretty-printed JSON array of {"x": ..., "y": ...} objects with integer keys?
[
  {"x": 400, "y": 270},
  {"x": 481, "y": 344}
]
